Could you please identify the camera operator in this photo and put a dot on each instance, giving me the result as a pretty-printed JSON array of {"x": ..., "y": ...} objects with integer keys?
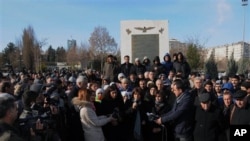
[
  {"x": 55, "y": 105},
  {"x": 29, "y": 122},
  {"x": 36, "y": 118}
]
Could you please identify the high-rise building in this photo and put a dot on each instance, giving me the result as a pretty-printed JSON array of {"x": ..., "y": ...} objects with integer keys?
[
  {"x": 71, "y": 43},
  {"x": 225, "y": 51}
]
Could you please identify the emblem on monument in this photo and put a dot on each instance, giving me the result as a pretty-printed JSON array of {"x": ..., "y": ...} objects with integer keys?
[{"x": 144, "y": 29}]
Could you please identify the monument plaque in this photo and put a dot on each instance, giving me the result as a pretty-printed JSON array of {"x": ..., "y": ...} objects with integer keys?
[
  {"x": 145, "y": 45},
  {"x": 141, "y": 38}
]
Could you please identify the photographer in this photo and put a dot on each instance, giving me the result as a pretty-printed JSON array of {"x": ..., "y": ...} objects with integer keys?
[
  {"x": 36, "y": 122},
  {"x": 158, "y": 132},
  {"x": 56, "y": 106},
  {"x": 29, "y": 122}
]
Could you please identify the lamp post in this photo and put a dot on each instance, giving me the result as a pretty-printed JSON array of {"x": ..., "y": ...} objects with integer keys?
[{"x": 244, "y": 4}]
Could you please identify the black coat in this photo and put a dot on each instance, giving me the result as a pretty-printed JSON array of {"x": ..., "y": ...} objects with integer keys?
[
  {"x": 240, "y": 116},
  {"x": 208, "y": 124},
  {"x": 111, "y": 131},
  {"x": 126, "y": 69}
]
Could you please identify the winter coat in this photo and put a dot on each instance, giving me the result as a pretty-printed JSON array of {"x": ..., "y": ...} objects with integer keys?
[
  {"x": 208, "y": 124},
  {"x": 167, "y": 64},
  {"x": 91, "y": 123},
  {"x": 110, "y": 71},
  {"x": 240, "y": 116},
  {"x": 182, "y": 67},
  {"x": 109, "y": 106},
  {"x": 181, "y": 115},
  {"x": 126, "y": 69}
]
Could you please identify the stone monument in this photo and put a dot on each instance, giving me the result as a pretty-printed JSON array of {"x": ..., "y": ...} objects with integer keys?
[{"x": 141, "y": 38}]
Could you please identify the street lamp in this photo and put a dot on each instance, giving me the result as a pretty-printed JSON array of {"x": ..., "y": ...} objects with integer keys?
[{"x": 244, "y": 4}]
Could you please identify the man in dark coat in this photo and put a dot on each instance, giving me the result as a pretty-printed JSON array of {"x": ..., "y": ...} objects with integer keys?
[
  {"x": 181, "y": 65},
  {"x": 240, "y": 112},
  {"x": 126, "y": 67},
  {"x": 181, "y": 114},
  {"x": 208, "y": 120}
]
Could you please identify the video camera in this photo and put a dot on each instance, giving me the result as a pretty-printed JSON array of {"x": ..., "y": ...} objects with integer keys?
[
  {"x": 152, "y": 116},
  {"x": 30, "y": 122}
]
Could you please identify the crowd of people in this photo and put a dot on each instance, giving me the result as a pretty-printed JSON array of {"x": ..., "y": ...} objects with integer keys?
[{"x": 140, "y": 101}]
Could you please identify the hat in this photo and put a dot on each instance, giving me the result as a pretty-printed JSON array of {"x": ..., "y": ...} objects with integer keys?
[
  {"x": 72, "y": 79},
  {"x": 145, "y": 57},
  {"x": 105, "y": 87},
  {"x": 120, "y": 75},
  {"x": 99, "y": 90},
  {"x": 36, "y": 88},
  {"x": 228, "y": 86},
  {"x": 204, "y": 97},
  {"x": 246, "y": 85},
  {"x": 240, "y": 94},
  {"x": 137, "y": 59}
]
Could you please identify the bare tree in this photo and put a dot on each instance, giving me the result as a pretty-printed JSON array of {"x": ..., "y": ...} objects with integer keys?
[
  {"x": 29, "y": 44},
  {"x": 102, "y": 43}
]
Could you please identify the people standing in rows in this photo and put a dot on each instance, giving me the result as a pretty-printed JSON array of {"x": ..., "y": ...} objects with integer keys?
[
  {"x": 126, "y": 67},
  {"x": 181, "y": 65},
  {"x": 110, "y": 69},
  {"x": 167, "y": 63}
]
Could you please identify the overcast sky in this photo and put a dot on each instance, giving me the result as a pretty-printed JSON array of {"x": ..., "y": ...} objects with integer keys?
[{"x": 213, "y": 22}]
